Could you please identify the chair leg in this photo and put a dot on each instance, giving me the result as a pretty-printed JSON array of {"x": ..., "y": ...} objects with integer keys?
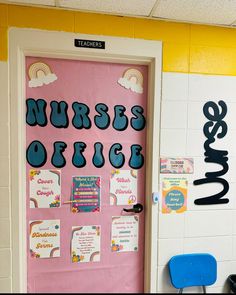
[
  {"x": 180, "y": 290},
  {"x": 204, "y": 289}
]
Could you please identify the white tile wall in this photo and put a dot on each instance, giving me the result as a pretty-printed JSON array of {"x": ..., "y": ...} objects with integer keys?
[
  {"x": 5, "y": 265},
  {"x": 208, "y": 223},
  {"x": 171, "y": 226},
  {"x": 5, "y": 285},
  {"x": 174, "y": 86},
  {"x": 209, "y": 228},
  {"x": 174, "y": 114},
  {"x": 5, "y": 202},
  {"x": 210, "y": 87},
  {"x": 220, "y": 247},
  {"x": 173, "y": 142},
  {"x": 169, "y": 248}
]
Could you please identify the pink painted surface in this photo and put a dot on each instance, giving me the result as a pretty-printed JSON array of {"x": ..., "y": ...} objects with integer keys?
[{"x": 89, "y": 83}]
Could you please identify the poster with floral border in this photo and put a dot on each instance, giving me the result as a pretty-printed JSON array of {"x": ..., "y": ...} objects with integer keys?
[
  {"x": 44, "y": 238},
  {"x": 124, "y": 233},
  {"x": 123, "y": 187},
  {"x": 45, "y": 188},
  {"x": 86, "y": 194},
  {"x": 85, "y": 243},
  {"x": 174, "y": 195}
]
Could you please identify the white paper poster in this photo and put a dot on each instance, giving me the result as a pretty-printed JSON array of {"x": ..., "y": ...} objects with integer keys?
[
  {"x": 123, "y": 187},
  {"x": 124, "y": 233},
  {"x": 45, "y": 188},
  {"x": 85, "y": 243},
  {"x": 44, "y": 238}
]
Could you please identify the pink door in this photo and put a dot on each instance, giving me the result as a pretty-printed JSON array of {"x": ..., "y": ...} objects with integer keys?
[{"x": 85, "y": 151}]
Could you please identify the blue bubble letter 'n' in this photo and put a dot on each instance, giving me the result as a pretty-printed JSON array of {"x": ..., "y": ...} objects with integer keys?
[
  {"x": 78, "y": 159},
  {"x": 36, "y": 154},
  {"x": 58, "y": 160},
  {"x": 116, "y": 159},
  {"x": 59, "y": 117},
  {"x": 136, "y": 160},
  {"x": 98, "y": 158},
  {"x": 36, "y": 112}
]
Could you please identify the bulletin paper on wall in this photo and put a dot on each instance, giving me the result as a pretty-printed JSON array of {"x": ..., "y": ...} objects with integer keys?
[
  {"x": 124, "y": 234},
  {"x": 174, "y": 195},
  {"x": 45, "y": 188},
  {"x": 85, "y": 156},
  {"x": 123, "y": 187},
  {"x": 85, "y": 243},
  {"x": 44, "y": 238}
]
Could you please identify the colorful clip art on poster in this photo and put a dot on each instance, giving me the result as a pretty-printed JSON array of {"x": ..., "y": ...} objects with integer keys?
[
  {"x": 40, "y": 74},
  {"x": 177, "y": 165},
  {"x": 123, "y": 187},
  {"x": 85, "y": 243},
  {"x": 174, "y": 195},
  {"x": 86, "y": 193},
  {"x": 124, "y": 233},
  {"x": 45, "y": 188},
  {"x": 44, "y": 238},
  {"x": 132, "y": 79}
]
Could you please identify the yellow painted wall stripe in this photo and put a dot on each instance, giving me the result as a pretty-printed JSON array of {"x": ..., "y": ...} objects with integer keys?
[{"x": 187, "y": 48}]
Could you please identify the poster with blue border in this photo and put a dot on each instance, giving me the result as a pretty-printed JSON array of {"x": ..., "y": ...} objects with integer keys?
[{"x": 86, "y": 194}]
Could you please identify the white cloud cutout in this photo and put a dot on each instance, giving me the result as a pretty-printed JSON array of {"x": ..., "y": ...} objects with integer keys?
[
  {"x": 46, "y": 79},
  {"x": 128, "y": 84}
]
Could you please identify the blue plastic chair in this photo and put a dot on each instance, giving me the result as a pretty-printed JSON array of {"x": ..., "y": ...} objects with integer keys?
[{"x": 189, "y": 270}]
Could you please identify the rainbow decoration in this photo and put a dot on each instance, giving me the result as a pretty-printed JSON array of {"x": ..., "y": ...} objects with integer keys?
[
  {"x": 132, "y": 79},
  {"x": 40, "y": 74}
]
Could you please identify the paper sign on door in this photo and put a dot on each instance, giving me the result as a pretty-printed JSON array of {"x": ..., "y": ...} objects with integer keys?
[
  {"x": 44, "y": 238},
  {"x": 85, "y": 243},
  {"x": 123, "y": 187},
  {"x": 124, "y": 233},
  {"x": 45, "y": 188},
  {"x": 86, "y": 194}
]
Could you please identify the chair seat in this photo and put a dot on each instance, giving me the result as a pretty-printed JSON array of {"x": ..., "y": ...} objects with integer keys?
[{"x": 188, "y": 270}]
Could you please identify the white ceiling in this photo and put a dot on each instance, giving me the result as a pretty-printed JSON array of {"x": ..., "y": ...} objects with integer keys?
[{"x": 215, "y": 12}]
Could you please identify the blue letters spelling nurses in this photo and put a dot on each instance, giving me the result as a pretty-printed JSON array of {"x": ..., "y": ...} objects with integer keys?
[
  {"x": 215, "y": 127},
  {"x": 36, "y": 153}
]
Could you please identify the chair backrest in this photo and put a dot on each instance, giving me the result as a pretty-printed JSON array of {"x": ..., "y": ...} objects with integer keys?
[{"x": 197, "y": 269}]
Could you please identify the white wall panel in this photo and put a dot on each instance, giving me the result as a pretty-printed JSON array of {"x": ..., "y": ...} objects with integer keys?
[
  {"x": 174, "y": 86},
  {"x": 208, "y": 223},
  {"x": 174, "y": 114}
]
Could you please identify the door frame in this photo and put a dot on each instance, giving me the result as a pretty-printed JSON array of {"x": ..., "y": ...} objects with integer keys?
[{"x": 30, "y": 42}]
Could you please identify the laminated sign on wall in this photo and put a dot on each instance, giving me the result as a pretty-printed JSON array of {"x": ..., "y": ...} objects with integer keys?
[{"x": 174, "y": 195}]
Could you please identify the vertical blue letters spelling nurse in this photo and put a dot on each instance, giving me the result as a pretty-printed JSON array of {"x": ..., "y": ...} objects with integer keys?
[
  {"x": 216, "y": 126},
  {"x": 36, "y": 153}
]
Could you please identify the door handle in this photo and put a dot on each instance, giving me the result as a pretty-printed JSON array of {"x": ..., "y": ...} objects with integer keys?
[{"x": 137, "y": 208}]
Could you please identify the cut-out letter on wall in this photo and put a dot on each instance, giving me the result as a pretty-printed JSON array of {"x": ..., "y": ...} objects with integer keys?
[
  {"x": 36, "y": 154},
  {"x": 214, "y": 127},
  {"x": 36, "y": 112}
]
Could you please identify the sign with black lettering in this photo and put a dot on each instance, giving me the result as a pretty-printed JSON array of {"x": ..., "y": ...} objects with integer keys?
[{"x": 90, "y": 44}]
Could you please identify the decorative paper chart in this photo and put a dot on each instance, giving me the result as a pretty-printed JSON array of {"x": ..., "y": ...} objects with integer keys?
[
  {"x": 45, "y": 188},
  {"x": 177, "y": 165},
  {"x": 86, "y": 194},
  {"x": 124, "y": 233},
  {"x": 85, "y": 243},
  {"x": 123, "y": 187},
  {"x": 44, "y": 238},
  {"x": 174, "y": 195}
]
